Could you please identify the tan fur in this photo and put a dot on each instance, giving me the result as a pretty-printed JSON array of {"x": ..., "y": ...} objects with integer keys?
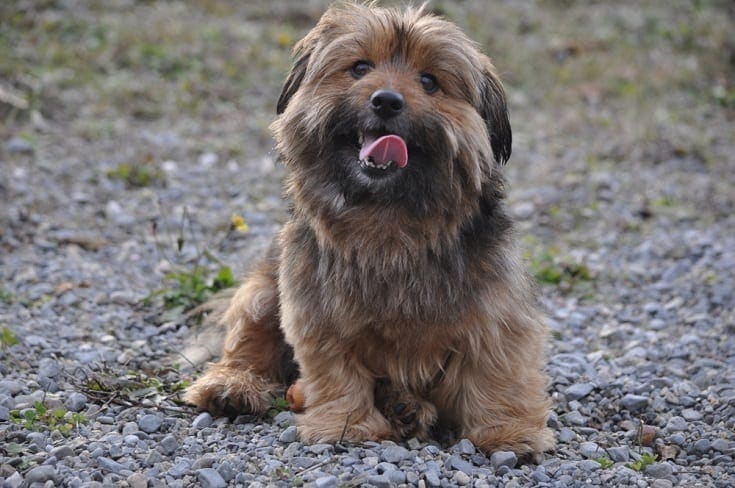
[{"x": 416, "y": 286}]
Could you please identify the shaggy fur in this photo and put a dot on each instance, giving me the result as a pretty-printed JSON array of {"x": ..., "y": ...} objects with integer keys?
[{"x": 406, "y": 284}]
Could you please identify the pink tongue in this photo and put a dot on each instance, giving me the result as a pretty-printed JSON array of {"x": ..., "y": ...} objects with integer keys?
[{"x": 384, "y": 149}]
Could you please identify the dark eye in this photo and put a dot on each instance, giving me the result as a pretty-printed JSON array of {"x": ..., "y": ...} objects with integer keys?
[
  {"x": 360, "y": 69},
  {"x": 429, "y": 83}
]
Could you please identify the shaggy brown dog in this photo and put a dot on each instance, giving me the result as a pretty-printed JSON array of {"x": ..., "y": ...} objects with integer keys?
[{"x": 398, "y": 266}]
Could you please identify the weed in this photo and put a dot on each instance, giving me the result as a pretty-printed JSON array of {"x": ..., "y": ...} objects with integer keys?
[
  {"x": 194, "y": 287},
  {"x": 548, "y": 268},
  {"x": 645, "y": 460},
  {"x": 279, "y": 405},
  {"x": 137, "y": 174},
  {"x": 39, "y": 417},
  {"x": 7, "y": 338},
  {"x": 604, "y": 462}
]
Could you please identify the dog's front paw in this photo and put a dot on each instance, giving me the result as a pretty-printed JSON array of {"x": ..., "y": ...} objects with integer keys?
[
  {"x": 318, "y": 425},
  {"x": 408, "y": 414},
  {"x": 230, "y": 391}
]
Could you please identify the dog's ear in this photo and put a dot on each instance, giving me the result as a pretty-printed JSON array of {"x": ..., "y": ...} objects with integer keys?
[
  {"x": 293, "y": 81},
  {"x": 494, "y": 111}
]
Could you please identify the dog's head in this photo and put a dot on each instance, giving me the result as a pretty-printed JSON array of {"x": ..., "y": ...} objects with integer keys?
[{"x": 391, "y": 106}]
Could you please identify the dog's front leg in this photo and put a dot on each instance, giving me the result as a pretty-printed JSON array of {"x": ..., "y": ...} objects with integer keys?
[{"x": 339, "y": 401}]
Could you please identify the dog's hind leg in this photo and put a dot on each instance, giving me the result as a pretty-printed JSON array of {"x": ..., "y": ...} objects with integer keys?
[{"x": 256, "y": 362}]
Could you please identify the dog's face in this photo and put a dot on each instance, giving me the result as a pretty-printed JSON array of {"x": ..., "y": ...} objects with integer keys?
[{"x": 388, "y": 106}]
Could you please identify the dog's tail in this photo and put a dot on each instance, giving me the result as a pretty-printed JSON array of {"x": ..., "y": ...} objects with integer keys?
[{"x": 205, "y": 344}]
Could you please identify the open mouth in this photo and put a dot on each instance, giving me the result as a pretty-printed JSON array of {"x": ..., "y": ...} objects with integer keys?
[{"x": 381, "y": 153}]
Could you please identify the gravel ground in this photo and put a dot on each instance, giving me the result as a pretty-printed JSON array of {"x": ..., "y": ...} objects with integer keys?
[{"x": 624, "y": 203}]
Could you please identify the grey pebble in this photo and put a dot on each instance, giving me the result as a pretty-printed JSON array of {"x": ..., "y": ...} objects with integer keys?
[
  {"x": 4, "y": 414},
  {"x": 455, "y": 462},
  {"x": 574, "y": 418},
  {"x": 503, "y": 458},
  {"x": 210, "y": 478},
  {"x": 618, "y": 454},
  {"x": 150, "y": 423},
  {"x": 578, "y": 390},
  {"x": 284, "y": 418},
  {"x": 395, "y": 454},
  {"x": 465, "y": 446},
  {"x": 110, "y": 465},
  {"x": 691, "y": 415},
  {"x": 659, "y": 470},
  {"x": 289, "y": 435},
  {"x": 396, "y": 477},
  {"x": 461, "y": 478},
  {"x": 15, "y": 480},
  {"x": 720, "y": 445},
  {"x": 379, "y": 481},
  {"x": 203, "y": 420},
  {"x": 634, "y": 403},
  {"x": 180, "y": 468},
  {"x": 40, "y": 474},
  {"x": 137, "y": 480},
  {"x": 18, "y": 145},
  {"x": 76, "y": 402},
  {"x": 169, "y": 444},
  {"x": 702, "y": 446},
  {"x": 676, "y": 424},
  {"x": 432, "y": 478},
  {"x": 591, "y": 450},
  {"x": 326, "y": 482}
]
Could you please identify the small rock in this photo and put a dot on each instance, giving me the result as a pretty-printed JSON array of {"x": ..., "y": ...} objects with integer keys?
[
  {"x": 18, "y": 145},
  {"x": 578, "y": 390},
  {"x": 395, "y": 454},
  {"x": 540, "y": 476},
  {"x": 150, "y": 423},
  {"x": 4, "y": 414},
  {"x": 461, "y": 478},
  {"x": 574, "y": 418},
  {"x": 720, "y": 445},
  {"x": 660, "y": 470},
  {"x": 180, "y": 468},
  {"x": 169, "y": 444},
  {"x": 40, "y": 474},
  {"x": 76, "y": 402},
  {"x": 618, "y": 454},
  {"x": 326, "y": 482},
  {"x": 205, "y": 461},
  {"x": 457, "y": 463},
  {"x": 432, "y": 478},
  {"x": 396, "y": 477},
  {"x": 15, "y": 480},
  {"x": 110, "y": 465},
  {"x": 691, "y": 415},
  {"x": 662, "y": 484},
  {"x": 210, "y": 478},
  {"x": 634, "y": 403},
  {"x": 566, "y": 435},
  {"x": 590, "y": 450},
  {"x": 503, "y": 458},
  {"x": 137, "y": 480},
  {"x": 702, "y": 446},
  {"x": 466, "y": 447},
  {"x": 379, "y": 481},
  {"x": 202, "y": 421},
  {"x": 384, "y": 468},
  {"x": 283, "y": 419},
  {"x": 62, "y": 452},
  {"x": 676, "y": 424},
  {"x": 10, "y": 387},
  {"x": 289, "y": 435}
]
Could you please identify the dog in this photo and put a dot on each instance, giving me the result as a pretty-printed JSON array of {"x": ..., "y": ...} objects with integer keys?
[{"x": 395, "y": 294}]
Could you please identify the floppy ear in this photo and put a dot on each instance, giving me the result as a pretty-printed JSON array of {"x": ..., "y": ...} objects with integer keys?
[
  {"x": 494, "y": 111},
  {"x": 293, "y": 81}
]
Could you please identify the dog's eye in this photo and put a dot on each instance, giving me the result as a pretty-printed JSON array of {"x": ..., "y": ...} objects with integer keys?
[
  {"x": 429, "y": 83},
  {"x": 360, "y": 69}
]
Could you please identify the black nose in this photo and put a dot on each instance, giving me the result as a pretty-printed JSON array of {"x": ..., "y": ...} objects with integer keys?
[{"x": 387, "y": 103}]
